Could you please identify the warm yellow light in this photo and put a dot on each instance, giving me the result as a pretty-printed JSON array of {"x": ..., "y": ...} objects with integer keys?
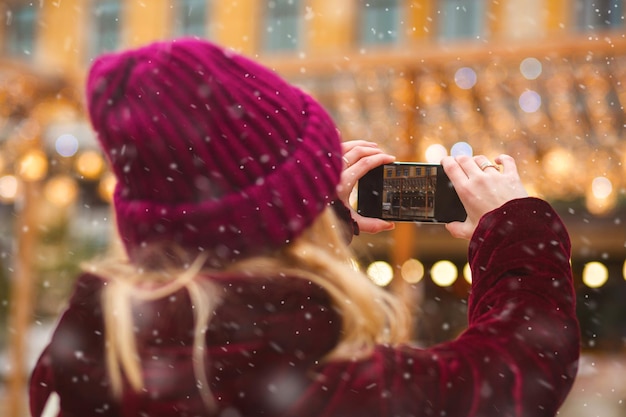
[
  {"x": 412, "y": 271},
  {"x": 624, "y": 270},
  {"x": 435, "y": 153},
  {"x": 106, "y": 187},
  {"x": 33, "y": 166},
  {"x": 601, "y": 187},
  {"x": 61, "y": 191},
  {"x": 380, "y": 272},
  {"x": 467, "y": 273},
  {"x": 9, "y": 187},
  {"x": 444, "y": 273},
  {"x": 558, "y": 163},
  {"x": 2, "y": 163},
  {"x": 595, "y": 274},
  {"x": 600, "y": 206},
  {"x": 89, "y": 164}
]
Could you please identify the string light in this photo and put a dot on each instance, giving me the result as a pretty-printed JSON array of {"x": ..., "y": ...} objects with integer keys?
[
  {"x": 412, "y": 271},
  {"x": 380, "y": 272},
  {"x": 595, "y": 274},
  {"x": 530, "y": 68},
  {"x": 444, "y": 273},
  {"x": 33, "y": 166},
  {"x": 61, "y": 191},
  {"x": 106, "y": 187},
  {"x": 435, "y": 153},
  {"x": 89, "y": 165},
  {"x": 465, "y": 78},
  {"x": 8, "y": 188},
  {"x": 66, "y": 145},
  {"x": 467, "y": 273}
]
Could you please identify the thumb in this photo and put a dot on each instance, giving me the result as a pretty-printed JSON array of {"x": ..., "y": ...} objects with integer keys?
[{"x": 459, "y": 229}]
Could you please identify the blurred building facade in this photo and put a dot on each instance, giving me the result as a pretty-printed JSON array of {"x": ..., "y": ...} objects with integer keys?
[{"x": 542, "y": 80}]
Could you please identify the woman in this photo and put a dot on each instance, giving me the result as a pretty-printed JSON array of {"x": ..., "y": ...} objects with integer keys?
[{"x": 236, "y": 295}]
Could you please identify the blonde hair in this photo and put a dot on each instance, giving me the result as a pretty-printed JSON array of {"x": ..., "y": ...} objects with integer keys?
[{"x": 370, "y": 315}]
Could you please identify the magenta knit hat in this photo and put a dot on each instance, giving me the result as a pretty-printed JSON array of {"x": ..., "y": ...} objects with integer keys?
[{"x": 212, "y": 151}]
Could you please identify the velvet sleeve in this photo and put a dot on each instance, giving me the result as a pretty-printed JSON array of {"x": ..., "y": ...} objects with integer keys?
[
  {"x": 41, "y": 384},
  {"x": 519, "y": 354},
  {"x": 522, "y": 344},
  {"x": 72, "y": 365}
]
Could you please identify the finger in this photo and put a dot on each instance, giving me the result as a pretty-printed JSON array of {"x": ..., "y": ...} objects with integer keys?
[
  {"x": 470, "y": 164},
  {"x": 349, "y": 145},
  {"x": 356, "y": 153},
  {"x": 354, "y": 172},
  {"x": 507, "y": 162},
  {"x": 485, "y": 164},
  {"x": 457, "y": 229},
  {"x": 372, "y": 225},
  {"x": 367, "y": 162},
  {"x": 453, "y": 170}
]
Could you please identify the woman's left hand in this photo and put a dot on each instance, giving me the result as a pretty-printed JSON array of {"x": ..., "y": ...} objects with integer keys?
[
  {"x": 482, "y": 187},
  {"x": 359, "y": 157}
]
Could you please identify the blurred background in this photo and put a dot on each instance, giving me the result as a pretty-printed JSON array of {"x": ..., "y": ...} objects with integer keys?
[{"x": 542, "y": 80}]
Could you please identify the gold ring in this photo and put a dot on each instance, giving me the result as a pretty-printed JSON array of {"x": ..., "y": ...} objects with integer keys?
[
  {"x": 488, "y": 164},
  {"x": 346, "y": 161}
]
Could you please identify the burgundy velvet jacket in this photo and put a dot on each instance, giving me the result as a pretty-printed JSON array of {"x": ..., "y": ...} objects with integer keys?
[{"x": 518, "y": 356}]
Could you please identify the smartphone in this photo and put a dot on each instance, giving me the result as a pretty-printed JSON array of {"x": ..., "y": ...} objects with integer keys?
[{"x": 409, "y": 192}]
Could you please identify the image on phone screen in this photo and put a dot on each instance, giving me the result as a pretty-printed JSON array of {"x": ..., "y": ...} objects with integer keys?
[{"x": 410, "y": 192}]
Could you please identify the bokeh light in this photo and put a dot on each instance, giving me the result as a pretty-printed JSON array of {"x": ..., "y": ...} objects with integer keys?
[
  {"x": 9, "y": 186},
  {"x": 380, "y": 272},
  {"x": 61, "y": 191},
  {"x": 530, "y": 101},
  {"x": 461, "y": 148},
  {"x": 601, "y": 187},
  {"x": 599, "y": 198},
  {"x": 558, "y": 162},
  {"x": 595, "y": 274},
  {"x": 412, "y": 271},
  {"x": 106, "y": 187},
  {"x": 435, "y": 153},
  {"x": 467, "y": 273},
  {"x": 444, "y": 273},
  {"x": 33, "y": 166},
  {"x": 530, "y": 68},
  {"x": 465, "y": 78},
  {"x": 66, "y": 145},
  {"x": 89, "y": 165}
]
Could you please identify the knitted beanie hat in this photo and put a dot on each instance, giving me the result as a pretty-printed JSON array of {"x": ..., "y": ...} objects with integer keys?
[{"x": 212, "y": 151}]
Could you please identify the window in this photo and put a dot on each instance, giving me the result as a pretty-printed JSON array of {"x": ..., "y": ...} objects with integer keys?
[
  {"x": 461, "y": 19},
  {"x": 20, "y": 30},
  {"x": 402, "y": 171},
  {"x": 599, "y": 14},
  {"x": 191, "y": 18},
  {"x": 380, "y": 20},
  {"x": 106, "y": 26},
  {"x": 282, "y": 25}
]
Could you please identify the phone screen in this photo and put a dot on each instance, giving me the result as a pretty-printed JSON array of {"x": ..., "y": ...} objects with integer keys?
[{"x": 409, "y": 192}]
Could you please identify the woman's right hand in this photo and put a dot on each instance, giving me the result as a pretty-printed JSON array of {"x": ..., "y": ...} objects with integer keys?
[
  {"x": 482, "y": 187},
  {"x": 359, "y": 157}
]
